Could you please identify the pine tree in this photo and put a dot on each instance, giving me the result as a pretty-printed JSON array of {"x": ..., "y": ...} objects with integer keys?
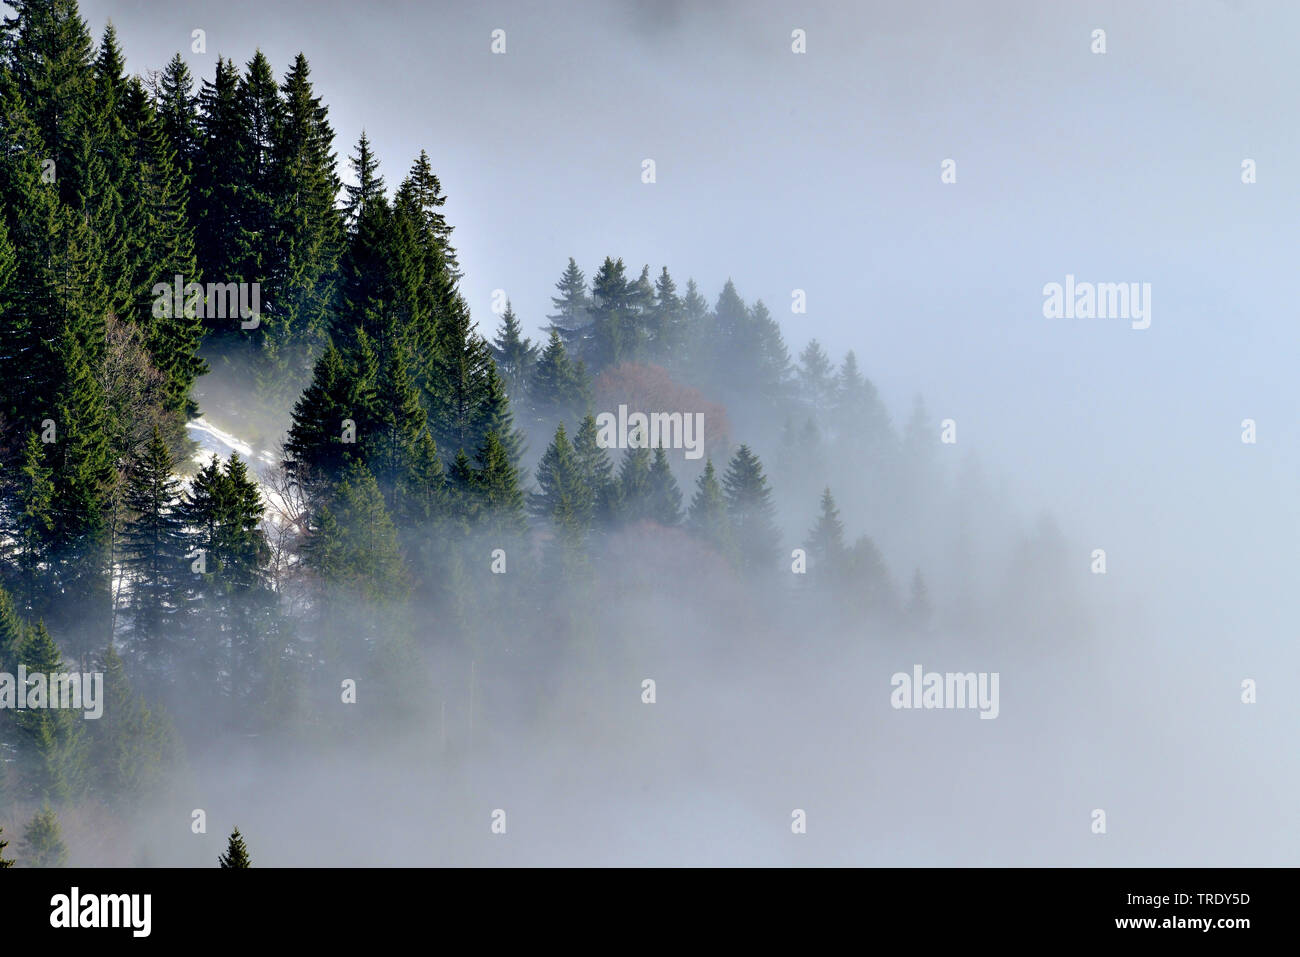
[
  {"x": 563, "y": 498},
  {"x": 667, "y": 321},
  {"x": 496, "y": 484},
  {"x": 12, "y": 633},
  {"x": 354, "y": 545},
  {"x": 154, "y": 556},
  {"x": 216, "y": 204},
  {"x": 32, "y": 526},
  {"x": 306, "y": 185},
  {"x": 640, "y": 299},
  {"x": 560, "y": 388},
  {"x": 572, "y": 315},
  {"x": 871, "y": 590},
  {"x": 613, "y": 331},
  {"x": 634, "y": 503},
  {"x": 816, "y": 376},
  {"x": 133, "y": 746},
  {"x": 515, "y": 355},
  {"x": 858, "y": 411},
  {"x": 749, "y": 507},
  {"x": 4, "y": 861},
  {"x": 43, "y": 840},
  {"x": 324, "y": 435},
  {"x": 707, "y": 516},
  {"x": 52, "y": 741},
  {"x": 160, "y": 246},
  {"x": 696, "y": 335},
  {"x": 369, "y": 189},
  {"x": 665, "y": 498},
  {"x": 459, "y": 392},
  {"x": 48, "y": 54},
  {"x": 236, "y": 852},
  {"x": 178, "y": 111},
  {"x": 825, "y": 543},
  {"x": 596, "y": 470},
  {"x": 234, "y": 607}
]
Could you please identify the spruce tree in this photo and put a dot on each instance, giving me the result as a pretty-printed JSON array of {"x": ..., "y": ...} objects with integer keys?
[
  {"x": 572, "y": 315},
  {"x": 816, "y": 376},
  {"x": 560, "y": 389},
  {"x": 825, "y": 543},
  {"x": 563, "y": 498},
  {"x": 154, "y": 557},
  {"x": 613, "y": 330},
  {"x": 43, "y": 840},
  {"x": 707, "y": 516},
  {"x": 596, "y": 470},
  {"x": 496, "y": 484},
  {"x": 665, "y": 498},
  {"x": 515, "y": 355},
  {"x": 236, "y": 852},
  {"x": 667, "y": 320},
  {"x": 52, "y": 744},
  {"x": 178, "y": 111},
  {"x": 216, "y": 203},
  {"x": 133, "y": 746},
  {"x": 634, "y": 501},
  {"x": 750, "y": 510},
  {"x": 306, "y": 185}
]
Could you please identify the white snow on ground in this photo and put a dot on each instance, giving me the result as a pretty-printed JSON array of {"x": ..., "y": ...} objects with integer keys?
[{"x": 214, "y": 441}]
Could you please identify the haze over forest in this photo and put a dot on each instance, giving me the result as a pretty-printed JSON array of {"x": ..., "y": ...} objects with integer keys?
[{"x": 343, "y": 530}]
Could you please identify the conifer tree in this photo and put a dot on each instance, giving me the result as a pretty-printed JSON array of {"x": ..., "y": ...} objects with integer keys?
[
  {"x": 816, "y": 376},
  {"x": 572, "y": 315},
  {"x": 750, "y": 510},
  {"x": 324, "y": 435},
  {"x": 613, "y": 330},
  {"x": 216, "y": 203},
  {"x": 871, "y": 589},
  {"x": 515, "y": 355},
  {"x": 354, "y": 546},
  {"x": 178, "y": 112},
  {"x": 4, "y": 861},
  {"x": 560, "y": 388},
  {"x": 563, "y": 498},
  {"x": 707, "y": 516},
  {"x": 160, "y": 246},
  {"x": 496, "y": 485},
  {"x": 665, "y": 498},
  {"x": 32, "y": 526},
  {"x": 43, "y": 840},
  {"x": 825, "y": 543},
  {"x": 12, "y": 633},
  {"x": 236, "y": 855},
  {"x": 305, "y": 185},
  {"x": 52, "y": 742},
  {"x": 634, "y": 503},
  {"x": 596, "y": 470},
  {"x": 132, "y": 745},
  {"x": 154, "y": 556},
  {"x": 667, "y": 320}
]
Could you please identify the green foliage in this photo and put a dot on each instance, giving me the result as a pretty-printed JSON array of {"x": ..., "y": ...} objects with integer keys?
[
  {"x": 236, "y": 855},
  {"x": 43, "y": 840}
]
